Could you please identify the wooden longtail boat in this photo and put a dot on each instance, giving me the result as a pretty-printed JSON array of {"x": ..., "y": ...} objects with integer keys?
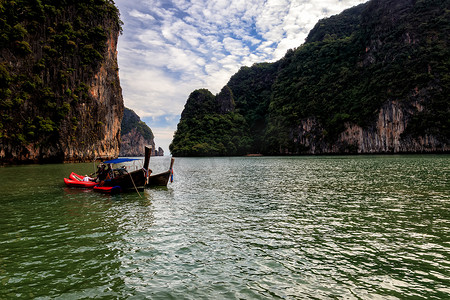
[
  {"x": 160, "y": 179},
  {"x": 129, "y": 180}
]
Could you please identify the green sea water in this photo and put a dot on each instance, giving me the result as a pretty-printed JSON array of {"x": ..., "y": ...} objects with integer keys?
[{"x": 340, "y": 227}]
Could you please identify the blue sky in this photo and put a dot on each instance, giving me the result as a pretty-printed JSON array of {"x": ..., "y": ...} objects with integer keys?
[{"x": 169, "y": 48}]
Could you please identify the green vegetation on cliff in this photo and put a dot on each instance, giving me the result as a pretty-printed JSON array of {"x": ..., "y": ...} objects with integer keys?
[
  {"x": 49, "y": 51},
  {"x": 348, "y": 78},
  {"x": 252, "y": 89},
  {"x": 205, "y": 129},
  {"x": 350, "y": 65}
]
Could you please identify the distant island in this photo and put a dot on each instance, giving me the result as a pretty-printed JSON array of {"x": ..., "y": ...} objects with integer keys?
[
  {"x": 135, "y": 135},
  {"x": 373, "y": 79}
]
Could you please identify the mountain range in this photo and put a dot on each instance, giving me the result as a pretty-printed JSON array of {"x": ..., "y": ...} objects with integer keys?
[{"x": 373, "y": 79}]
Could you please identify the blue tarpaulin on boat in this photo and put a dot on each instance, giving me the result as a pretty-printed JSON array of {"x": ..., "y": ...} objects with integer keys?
[{"x": 120, "y": 160}]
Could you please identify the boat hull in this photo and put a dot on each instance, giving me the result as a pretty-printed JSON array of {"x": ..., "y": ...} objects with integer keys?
[
  {"x": 135, "y": 179},
  {"x": 159, "y": 179},
  {"x": 108, "y": 189}
]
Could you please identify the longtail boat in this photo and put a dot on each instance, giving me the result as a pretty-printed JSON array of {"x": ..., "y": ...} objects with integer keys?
[
  {"x": 161, "y": 179},
  {"x": 128, "y": 180}
]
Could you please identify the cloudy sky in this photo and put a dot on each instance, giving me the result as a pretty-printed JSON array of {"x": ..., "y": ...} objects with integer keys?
[{"x": 169, "y": 48}]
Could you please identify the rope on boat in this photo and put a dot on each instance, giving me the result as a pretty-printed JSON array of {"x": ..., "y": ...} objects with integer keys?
[{"x": 134, "y": 184}]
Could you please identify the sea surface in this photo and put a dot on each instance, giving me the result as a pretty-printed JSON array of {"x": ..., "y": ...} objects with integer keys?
[{"x": 337, "y": 227}]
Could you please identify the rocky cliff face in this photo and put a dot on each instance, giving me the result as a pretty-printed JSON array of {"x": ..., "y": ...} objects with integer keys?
[
  {"x": 135, "y": 136},
  {"x": 60, "y": 95},
  {"x": 225, "y": 101},
  {"x": 104, "y": 116},
  {"x": 387, "y": 135},
  {"x": 159, "y": 152},
  {"x": 133, "y": 144}
]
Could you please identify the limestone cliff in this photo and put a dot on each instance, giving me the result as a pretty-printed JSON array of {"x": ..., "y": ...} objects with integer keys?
[
  {"x": 402, "y": 70},
  {"x": 60, "y": 93},
  {"x": 159, "y": 152},
  {"x": 133, "y": 144},
  {"x": 373, "y": 79},
  {"x": 136, "y": 135},
  {"x": 225, "y": 102},
  {"x": 386, "y": 135}
]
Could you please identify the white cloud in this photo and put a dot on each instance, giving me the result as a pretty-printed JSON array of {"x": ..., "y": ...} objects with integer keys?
[
  {"x": 170, "y": 48},
  {"x": 139, "y": 15}
]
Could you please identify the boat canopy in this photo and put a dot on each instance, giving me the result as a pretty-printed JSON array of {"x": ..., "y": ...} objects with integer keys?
[{"x": 120, "y": 160}]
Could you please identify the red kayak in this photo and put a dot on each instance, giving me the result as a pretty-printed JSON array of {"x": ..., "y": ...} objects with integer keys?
[
  {"x": 75, "y": 176},
  {"x": 80, "y": 184},
  {"x": 108, "y": 189}
]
